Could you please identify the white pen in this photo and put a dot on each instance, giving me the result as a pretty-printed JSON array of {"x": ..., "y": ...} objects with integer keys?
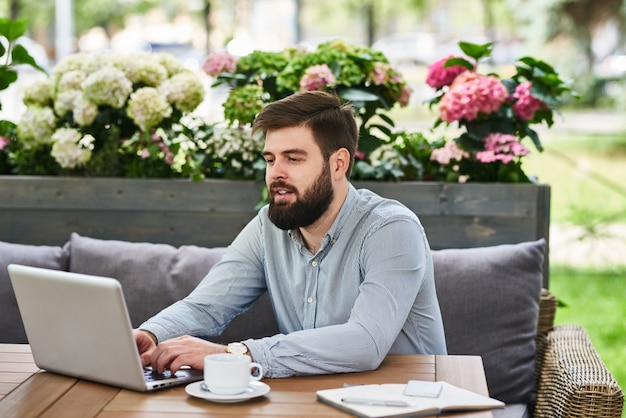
[{"x": 376, "y": 402}]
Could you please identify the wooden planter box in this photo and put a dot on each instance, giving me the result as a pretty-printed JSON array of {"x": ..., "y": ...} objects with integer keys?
[{"x": 46, "y": 210}]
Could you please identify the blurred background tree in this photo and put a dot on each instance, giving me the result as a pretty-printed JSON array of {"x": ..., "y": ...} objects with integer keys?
[{"x": 578, "y": 36}]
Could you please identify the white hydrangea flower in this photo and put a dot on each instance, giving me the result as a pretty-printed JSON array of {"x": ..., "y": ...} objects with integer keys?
[
  {"x": 70, "y": 148},
  {"x": 85, "y": 111},
  {"x": 36, "y": 126},
  {"x": 229, "y": 140},
  {"x": 70, "y": 80},
  {"x": 64, "y": 101},
  {"x": 146, "y": 72},
  {"x": 147, "y": 107},
  {"x": 108, "y": 86},
  {"x": 38, "y": 93},
  {"x": 70, "y": 63},
  {"x": 183, "y": 90},
  {"x": 170, "y": 62},
  {"x": 385, "y": 152}
]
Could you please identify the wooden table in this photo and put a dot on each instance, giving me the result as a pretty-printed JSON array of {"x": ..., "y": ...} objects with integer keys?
[{"x": 26, "y": 391}]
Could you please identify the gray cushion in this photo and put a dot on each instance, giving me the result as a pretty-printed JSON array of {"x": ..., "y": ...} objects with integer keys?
[
  {"x": 57, "y": 258},
  {"x": 489, "y": 300},
  {"x": 153, "y": 276}
]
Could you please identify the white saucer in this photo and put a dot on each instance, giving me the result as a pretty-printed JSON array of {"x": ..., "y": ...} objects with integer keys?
[{"x": 253, "y": 390}]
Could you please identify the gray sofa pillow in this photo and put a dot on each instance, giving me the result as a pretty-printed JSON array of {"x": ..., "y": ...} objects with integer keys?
[
  {"x": 153, "y": 276},
  {"x": 51, "y": 257},
  {"x": 489, "y": 300}
]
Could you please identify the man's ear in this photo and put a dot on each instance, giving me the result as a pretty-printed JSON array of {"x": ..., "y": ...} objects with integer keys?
[{"x": 340, "y": 161}]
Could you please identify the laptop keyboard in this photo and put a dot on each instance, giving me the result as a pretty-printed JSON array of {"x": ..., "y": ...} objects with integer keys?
[{"x": 153, "y": 376}]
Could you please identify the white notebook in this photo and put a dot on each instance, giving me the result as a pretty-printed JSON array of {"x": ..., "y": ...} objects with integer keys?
[{"x": 389, "y": 400}]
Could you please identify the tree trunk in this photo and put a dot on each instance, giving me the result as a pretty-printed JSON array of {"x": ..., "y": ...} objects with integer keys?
[
  {"x": 206, "y": 18},
  {"x": 14, "y": 9},
  {"x": 370, "y": 21}
]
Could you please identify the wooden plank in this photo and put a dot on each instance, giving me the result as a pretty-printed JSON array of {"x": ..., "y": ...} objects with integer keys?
[
  {"x": 14, "y": 348},
  {"x": 128, "y": 194},
  {"x": 466, "y": 372},
  {"x": 486, "y": 199},
  {"x": 476, "y": 231},
  {"x": 35, "y": 395},
  {"x": 54, "y": 227},
  {"x": 85, "y": 399}
]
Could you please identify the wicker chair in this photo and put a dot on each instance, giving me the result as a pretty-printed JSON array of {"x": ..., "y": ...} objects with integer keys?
[{"x": 572, "y": 380}]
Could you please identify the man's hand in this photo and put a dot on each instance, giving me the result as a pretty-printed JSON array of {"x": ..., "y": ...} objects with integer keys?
[
  {"x": 182, "y": 351},
  {"x": 146, "y": 343}
]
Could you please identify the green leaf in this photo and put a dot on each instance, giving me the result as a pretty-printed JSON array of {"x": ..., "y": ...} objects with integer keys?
[
  {"x": 7, "y": 77},
  {"x": 458, "y": 61},
  {"x": 387, "y": 119},
  {"x": 384, "y": 129},
  {"x": 12, "y": 29},
  {"x": 535, "y": 63},
  {"x": 476, "y": 51},
  {"x": 21, "y": 56},
  {"x": 6, "y": 126},
  {"x": 534, "y": 137}
]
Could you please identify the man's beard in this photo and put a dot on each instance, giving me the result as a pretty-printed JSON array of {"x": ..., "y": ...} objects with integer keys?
[{"x": 306, "y": 209}]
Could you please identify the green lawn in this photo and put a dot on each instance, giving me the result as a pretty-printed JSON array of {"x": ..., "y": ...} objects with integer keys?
[
  {"x": 586, "y": 174},
  {"x": 595, "y": 300}
]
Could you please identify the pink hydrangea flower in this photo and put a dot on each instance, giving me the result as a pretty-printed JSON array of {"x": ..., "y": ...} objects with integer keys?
[
  {"x": 449, "y": 152},
  {"x": 501, "y": 147},
  {"x": 380, "y": 73},
  {"x": 525, "y": 104},
  {"x": 219, "y": 62},
  {"x": 316, "y": 77},
  {"x": 405, "y": 96},
  {"x": 471, "y": 94},
  {"x": 3, "y": 142},
  {"x": 439, "y": 76}
]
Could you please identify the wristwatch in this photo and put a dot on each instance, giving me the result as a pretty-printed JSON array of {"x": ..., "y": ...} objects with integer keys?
[{"x": 236, "y": 348}]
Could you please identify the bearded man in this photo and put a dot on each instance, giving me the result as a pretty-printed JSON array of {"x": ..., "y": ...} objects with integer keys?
[{"x": 349, "y": 273}]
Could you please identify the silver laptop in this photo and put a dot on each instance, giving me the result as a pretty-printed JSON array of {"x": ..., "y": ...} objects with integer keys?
[{"x": 78, "y": 325}]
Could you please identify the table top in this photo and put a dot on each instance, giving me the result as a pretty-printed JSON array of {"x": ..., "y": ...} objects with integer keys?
[{"x": 26, "y": 391}]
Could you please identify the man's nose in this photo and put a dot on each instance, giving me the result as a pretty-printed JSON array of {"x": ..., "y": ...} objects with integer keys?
[{"x": 277, "y": 170}]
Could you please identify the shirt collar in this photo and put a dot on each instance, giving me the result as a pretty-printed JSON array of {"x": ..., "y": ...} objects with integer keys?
[{"x": 335, "y": 229}]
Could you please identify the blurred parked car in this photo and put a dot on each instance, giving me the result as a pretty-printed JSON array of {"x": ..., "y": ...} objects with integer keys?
[{"x": 191, "y": 57}]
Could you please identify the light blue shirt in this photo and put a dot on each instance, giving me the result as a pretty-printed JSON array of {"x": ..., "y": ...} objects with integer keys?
[{"x": 367, "y": 292}]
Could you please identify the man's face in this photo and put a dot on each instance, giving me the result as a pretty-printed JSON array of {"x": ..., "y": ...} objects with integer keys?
[{"x": 298, "y": 178}]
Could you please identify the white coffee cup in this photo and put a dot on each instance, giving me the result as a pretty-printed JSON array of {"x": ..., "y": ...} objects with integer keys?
[{"x": 230, "y": 374}]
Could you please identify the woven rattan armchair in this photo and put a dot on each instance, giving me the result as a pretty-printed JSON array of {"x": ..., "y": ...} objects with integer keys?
[{"x": 572, "y": 380}]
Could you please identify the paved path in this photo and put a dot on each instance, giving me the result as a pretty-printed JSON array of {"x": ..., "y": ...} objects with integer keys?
[{"x": 573, "y": 246}]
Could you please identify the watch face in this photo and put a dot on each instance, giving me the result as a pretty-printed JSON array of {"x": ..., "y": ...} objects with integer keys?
[{"x": 237, "y": 348}]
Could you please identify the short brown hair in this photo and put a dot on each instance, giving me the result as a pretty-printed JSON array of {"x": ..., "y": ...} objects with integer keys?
[{"x": 332, "y": 123}]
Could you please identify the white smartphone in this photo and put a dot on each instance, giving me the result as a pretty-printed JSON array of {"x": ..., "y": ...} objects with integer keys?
[{"x": 423, "y": 388}]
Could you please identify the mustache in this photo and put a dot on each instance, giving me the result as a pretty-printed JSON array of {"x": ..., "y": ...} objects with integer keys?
[{"x": 283, "y": 185}]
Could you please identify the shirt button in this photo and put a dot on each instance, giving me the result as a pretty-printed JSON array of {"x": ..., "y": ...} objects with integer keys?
[
  {"x": 314, "y": 263},
  {"x": 310, "y": 300}
]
